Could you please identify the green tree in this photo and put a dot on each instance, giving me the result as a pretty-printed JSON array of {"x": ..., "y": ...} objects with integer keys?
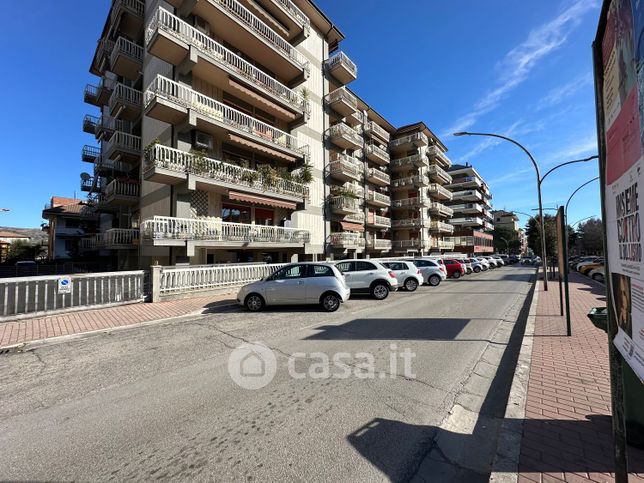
[
  {"x": 590, "y": 237},
  {"x": 23, "y": 250},
  {"x": 502, "y": 235}
]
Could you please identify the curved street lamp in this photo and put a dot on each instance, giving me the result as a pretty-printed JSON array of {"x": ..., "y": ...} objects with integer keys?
[
  {"x": 574, "y": 193},
  {"x": 538, "y": 173},
  {"x": 583, "y": 219}
]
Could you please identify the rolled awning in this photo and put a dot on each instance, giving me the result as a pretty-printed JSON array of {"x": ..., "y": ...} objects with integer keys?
[
  {"x": 261, "y": 200},
  {"x": 351, "y": 226},
  {"x": 270, "y": 105},
  {"x": 260, "y": 147}
]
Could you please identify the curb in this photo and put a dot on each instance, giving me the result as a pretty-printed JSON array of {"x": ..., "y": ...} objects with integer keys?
[{"x": 505, "y": 466}]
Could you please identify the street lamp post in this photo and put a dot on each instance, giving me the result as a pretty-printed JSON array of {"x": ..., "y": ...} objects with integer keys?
[{"x": 538, "y": 173}]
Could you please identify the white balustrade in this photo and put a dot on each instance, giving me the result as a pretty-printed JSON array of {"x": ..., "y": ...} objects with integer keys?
[{"x": 342, "y": 59}]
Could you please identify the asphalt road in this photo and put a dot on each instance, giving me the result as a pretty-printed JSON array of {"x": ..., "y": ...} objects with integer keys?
[{"x": 157, "y": 402}]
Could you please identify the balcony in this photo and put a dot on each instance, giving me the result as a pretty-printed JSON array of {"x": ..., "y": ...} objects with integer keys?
[
  {"x": 126, "y": 59},
  {"x": 88, "y": 184},
  {"x": 341, "y": 68},
  {"x": 409, "y": 223},
  {"x": 99, "y": 95},
  {"x": 438, "y": 174},
  {"x": 354, "y": 119},
  {"x": 236, "y": 25},
  {"x": 106, "y": 126},
  {"x": 409, "y": 162},
  {"x": 171, "y": 39},
  {"x": 437, "y": 191},
  {"x": 119, "y": 192},
  {"x": 404, "y": 143},
  {"x": 379, "y": 244},
  {"x": 463, "y": 182},
  {"x": 172, "y": 102},
  {"x": 343, "y": 136},
  {"x": 109, "y": 167},
  {"x": 376, "y": 154},
  {"x": 410, "y": 203},
  {"x": 344, "y": 205},
  {"x": 354, "y": 189},
  {"x": 290, "y": 21},
  {"x": 469, "y": 195},
  {"x": 168, "y": 231},
  {"x": 440, "y": 209},
  {"x": 378, "y": 199},
  {"x": 440, "y": 227},
  {"x": 375, "y": 176},
  {"x": 372, "y": 129},
  {"x": 467, "y": 221},
  {"x": 436, "y": 154},
  {"x": 90, "y": 123},
  {"x": 342, "y": 101},
  {"x": 125, "y": 103},
  {"x": 90, "y": 154},
  {"x": 112, "y": 239},
  {"x": 410, "y": 182},
  {"x": 173, "y": 166},
  {"x": 469, "y": 208},
  {"x": 347, "y": 240},
  {"x": 412, "y": 245},
  {"x": 101, "y": 58},
  {"x": 355, "y": 218},
  {"x": 345, "y": 168},
  {"x": 127, "y": 17},
  {"x": 487, "y": 226},
  {"x": 123, "y": 147},
  {"x": 442, "y": 244},
  {"x": 377, "y": 221}
]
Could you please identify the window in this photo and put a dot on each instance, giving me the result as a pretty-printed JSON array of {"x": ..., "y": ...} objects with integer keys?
[
  {"x": 321, "y": 271},
  {"x": 422, "y": 263},
  {"x": 286, "y": 273},
  {"x": 395, "y": 266},
  {"x": 364, "y": 266},
  {"x": 345, "y": 266},
  {"x": 448, "y": 262},
  {"x": 72, "y": 223},
  {"x": 264, "y": 216},
  {"x": 235, "y": 213}
]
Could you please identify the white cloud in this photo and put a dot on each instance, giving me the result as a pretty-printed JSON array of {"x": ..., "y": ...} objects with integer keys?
[
  {"x": 522, "y": 59},
  {"x": 558, "y": 94}
]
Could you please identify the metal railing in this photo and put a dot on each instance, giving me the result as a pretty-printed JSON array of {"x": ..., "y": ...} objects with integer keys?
[
  {"x": 343, "y": 163},
  {"x": 125, "y": 47},
  {"x": 172, "y": 159},
  {"x": 378, "y": 151},
  {"x": 31, "y": 296},
  {"x": 137, "y": 7},
  {"x": 347, "y": 239},
  {"x": 410, "y": 138},
  {"x": 111, "y": 124},
  {"x": 344, "y": 131},
  {"x": 341, "y": 59},
  {"x": 373, "y": 127},
  {"x": 219, "y": 54},
  {"x": 342, "y": 94},
  {"x": 90, "y": 153},
  {"x": 90, "y": 123},
  {"x": 175, "y": 280},
  {"x": 191, "y": 99},
  {"x": 379, "y": 197},
  {"x": 254, "y": 24},
  {"x": 111, "y": 165},
  {"x": 165, "y": 227},
  {"x": 121, "y": 188}
]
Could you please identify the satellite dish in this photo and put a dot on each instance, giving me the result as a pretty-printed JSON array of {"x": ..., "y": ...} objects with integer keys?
[{"x": 85, "y": 176}]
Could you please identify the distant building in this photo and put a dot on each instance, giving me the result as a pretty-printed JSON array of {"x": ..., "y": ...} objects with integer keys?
[
  {"x": 506, "y": 219},
  {"x": 6, "y": 239},
  {"x": 471, "y": 216},
  {"x": 69, "y": 220}
]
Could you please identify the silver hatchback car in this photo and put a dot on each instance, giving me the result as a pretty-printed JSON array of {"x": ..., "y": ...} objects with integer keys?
[{"x": 297, "y": 284}]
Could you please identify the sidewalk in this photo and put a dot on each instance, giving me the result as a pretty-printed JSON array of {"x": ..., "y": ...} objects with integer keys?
[
  {"x": 567, "y": 425},
  {"x": 29, "y": 330}
]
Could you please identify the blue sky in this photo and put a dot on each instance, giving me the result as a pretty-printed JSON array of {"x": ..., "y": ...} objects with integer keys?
[{"x": 518, "y": 68}]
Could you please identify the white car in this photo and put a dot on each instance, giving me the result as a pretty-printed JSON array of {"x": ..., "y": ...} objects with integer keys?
[
  {"x": 493, "y": 263},
  {"x": 499, "y": 261},
  {"x": 478, "y": 266},
  {"x": 407, "y": 274},
  {"x": 598, "y": 274},
  {"x": 467, "y": 264},
  {"x": 367, "y": 276},
  {"x": 485, "y": 265},
  {"x": 297, "y": 284},
  {"x": 432, "y": 270}
]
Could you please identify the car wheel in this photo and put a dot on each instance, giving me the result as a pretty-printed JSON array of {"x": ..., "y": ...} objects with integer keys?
[
  {"x": 380, "y": 291},
  {"x": 434, "y": 280},
  {"x": 456, "y": 275},
  {"x": 477, "y": 269},
  {"x": 411, "y": 284},
  {"x": 330, "y": 302},
  {"x": 254, "y": 302}
]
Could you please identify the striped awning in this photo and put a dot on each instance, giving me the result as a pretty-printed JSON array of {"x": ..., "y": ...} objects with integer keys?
[
  {"x": 261, "y": 200},
  {"x": 254, "y": 95},
  {"x": 260, "y": 147},
  {"x": 351, "y": 226}
]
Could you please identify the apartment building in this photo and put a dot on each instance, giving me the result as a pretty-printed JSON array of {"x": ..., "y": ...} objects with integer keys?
[
  {"x": 471, "y": 204},
  {"x": 70, "y": 220},
  {"x": 227, "y": 133},
  {"x": 510, "y": 221},
  {"x": 419, "y": 180}
]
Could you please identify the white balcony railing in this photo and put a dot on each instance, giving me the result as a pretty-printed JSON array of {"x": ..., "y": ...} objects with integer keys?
[
  {"x": 355, "y": 218},
  {"x": 408, "y": 223},
  {"x": 437, "y": 190},
  {"x": 219, "y": 54},
  {"x": 125, "y": 47},
  {"x": 378, "y": 197},
  {"x": 436, "y": 153},
  {"x": 346, "y": 164},
  {"x": 123, "y": 141},
  {"x": 111, "y": 238},
  {"x": 296, "y": 13},
  {"x": 194, "y": 229},
  {"x": 373, "y": 149},
  {"x": 410, "y": 182},
  {"x": 341, "y": 130},
  {"x": 345, "y": 203},
  {"x": 372, "y": 127},
  {"x": 443, "y": 244},
  {"x": 417, "y": 138},
  {"x": 380, "y": 244},
  {"x": 255, "y": 25},
  {"x": 442, "y": 227},
  {"x": 377, "y": 174},
  {"x": 136, "y": 7},
  {"x": 191, "y": 99},
  {"x": 441, "y": 209},
  {"x": 408, "y": 162},
  {"x": 124, "y": 95},
  {"x": 435, "y": 171},
  {"x": 121, "y": 188},
  {"x": 408, "y": 244},
  {"x": 342, "y": 94},
  {"x": 179, "y": 161},
  {"x": 467, "y": 221},
  {"x": 345, "y": 239},
  {"x": 374, "y": 219},
  {"x": 341, "y": 59},
  {"x": 409, "y": 203},
  {"x": 466, "y": 181}
]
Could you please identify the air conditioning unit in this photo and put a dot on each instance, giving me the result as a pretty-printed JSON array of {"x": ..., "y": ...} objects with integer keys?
[
  {"x": 202, "y": 25},
  {"x": 203, "y": 141}
]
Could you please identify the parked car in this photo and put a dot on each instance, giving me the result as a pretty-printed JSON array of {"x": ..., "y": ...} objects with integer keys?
[
  {"x": 513, "y": 259},
  {"x": 466, "y": 263},
  {"x": 455, "y": 269},
  {"x": 408, "y": 275},
  {"x": 598, "y": 274},
  {"x": 491, "y": 261},
  {"x": 586, "y": 268},
  {"x": 367, "y": 276},
  {"x": 296, "y": 284},
  {"x": 499, "y": 261},
  {"x": 580, "y": 265},
  {"x": 477, "y": 266},
  {"x": 432, "y": 270},
  {"x": 579, "y": 260}
]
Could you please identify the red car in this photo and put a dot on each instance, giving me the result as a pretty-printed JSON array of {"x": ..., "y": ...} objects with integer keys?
[{"x": 454, "y": 268}]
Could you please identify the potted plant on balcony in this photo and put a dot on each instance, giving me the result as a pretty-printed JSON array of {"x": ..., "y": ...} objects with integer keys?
[
  {"x": 269, "y": 176},
  {"x": 305, "y": 174},
  {"x": 199, "y": 164},
  {"x": 249, "y": 177}
]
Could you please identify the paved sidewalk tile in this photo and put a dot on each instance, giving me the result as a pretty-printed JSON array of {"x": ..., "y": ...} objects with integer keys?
[
  {"x": 89, "y": 320},
  {"x": 567, "y": 426}
]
